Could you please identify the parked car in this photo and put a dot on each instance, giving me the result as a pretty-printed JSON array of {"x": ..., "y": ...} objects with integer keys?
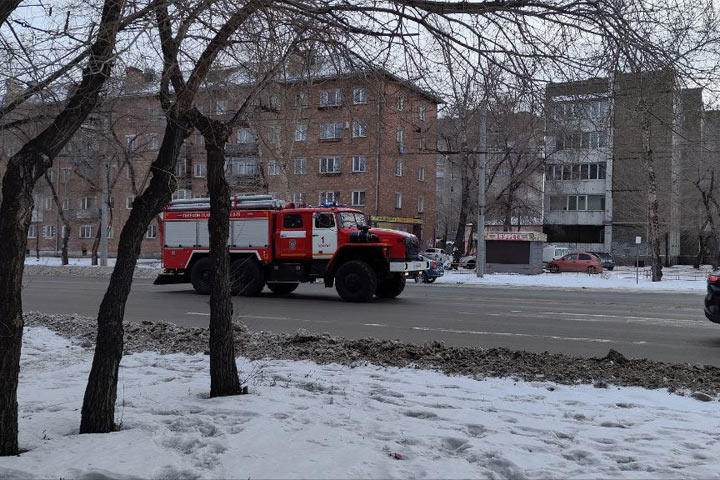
[
  {"x": 712, "y": 299},
  {"x": 467, "y": 262},
  {"x": 551, "y": 252},
  {"x": 430, "y": 275},
  {"x": 438, "y": 254},
  {"x": 607, "y": 260},
  {"x": 576, "y": 262}
]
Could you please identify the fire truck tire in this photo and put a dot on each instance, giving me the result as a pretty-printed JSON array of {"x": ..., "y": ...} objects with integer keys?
[
  {"x": 200, "y": 276},
  {"x": 392, "y": 286},
  {"x": 355, "y": 281},
  {"x": 246, "y": 277},
  {"x": 282, "y": 288}
]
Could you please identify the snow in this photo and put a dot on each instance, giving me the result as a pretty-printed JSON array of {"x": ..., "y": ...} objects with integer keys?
[
  {"x": 86, "y": 262},
  {"x": 674, "y": 279},
  {"x": 303, "y": 420}
]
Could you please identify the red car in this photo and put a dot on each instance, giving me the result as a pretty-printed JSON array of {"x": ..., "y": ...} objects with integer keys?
[{"x": 576, "y": 262}]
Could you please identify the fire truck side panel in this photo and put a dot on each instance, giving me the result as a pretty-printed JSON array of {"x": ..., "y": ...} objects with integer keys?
[
  {"x": 181, "y": 234},
  {"x": 250, "y": 233}
]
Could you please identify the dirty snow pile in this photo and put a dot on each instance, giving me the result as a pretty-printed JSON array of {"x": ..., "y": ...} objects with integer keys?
[
  {"x": 304, "y": 420},
  {"x": 615, "y": 280},
  {"x": 82, "y": 267}
]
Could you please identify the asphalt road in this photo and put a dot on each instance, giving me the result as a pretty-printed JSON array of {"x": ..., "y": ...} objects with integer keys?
[{"x": 661, "y": 326}]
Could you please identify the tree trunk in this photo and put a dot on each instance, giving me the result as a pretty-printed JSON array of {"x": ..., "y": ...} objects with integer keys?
[
  {"x": 652, "y": 199},
  {"x": 65, "y": 241},
  {"x": 224, "y": 378},
  {"x": 98, "y": 410},
  {"x": 23, "y": 171},
  {"x": 96, "y": 245},
  {"x": 16, "y": 211}
]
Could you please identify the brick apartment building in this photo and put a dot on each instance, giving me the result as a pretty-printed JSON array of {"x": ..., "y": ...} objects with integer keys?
[
  {"x": 356, "y": 137},
  {"x": 596, "y": 182}
]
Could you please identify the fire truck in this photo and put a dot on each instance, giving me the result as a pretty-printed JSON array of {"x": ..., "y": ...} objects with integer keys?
[{"x": 280, "y": 246}]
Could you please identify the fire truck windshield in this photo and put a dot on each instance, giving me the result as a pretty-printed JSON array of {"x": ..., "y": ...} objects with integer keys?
[{"x": 352, "y": 219}]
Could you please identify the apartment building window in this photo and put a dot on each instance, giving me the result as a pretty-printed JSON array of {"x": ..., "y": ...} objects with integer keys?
[
  {"x": 400, "y": 135},
  {"x": 49, "y": 231},
  {"x": 200, "y": 170},
  {"x": 129, "y": 202},
  {"x": 244, "y": 166},
  {"x": 359, "y": 129},
  {"x": 86, "y": 231},
  {"x": 331, "y": 131},
  {"x": 49, "y": 203},
  {"x": 328, "y": 197},
  {"x": 584, "y": 171},
  {"x": 421, "y": 174},
  {"x": 331, "y": 98},
  {"x": 358, "y": 198},
  {"x": 181, "y": 167},
  {"x": 422, "y": 112},
  {"x": 301, "y": 131},
  {"x": 86, "y": 203},
  {"x": 110, "y": 232},
  {"x": 66, "y": 204},
  {"x": 577, "y": 202},
  {"x": 65, "y": 175},
  {"x": 421, "y": 205},
  {"x": 359, "y": 164},
  {"x": 63, "y": 231},
  {"x": 131, "y": 142},
  {"x": 301, "y": 100},
  {"x": 399, "y": 168},
  {"x": 200, "y": 140},
  {"x": 422, "y": 143},
  {"x": 245, "y": 136},
  {"x": 274, "y": 135},
  {"x": 330, "y": 165},
  {"x": 153, "y": 143},
  {"x": 182, "y": 194},
  {"x": 273, "y": 168},
  {"x": 151, "y": 232},
  {"x": 590, "y": 140},
  {"x": 32, "y": 231},
  {"x": 274, "y": 102},
  {"x": 221, "y": 107},
  {"x": 51, "y": 175},
  {"x": 298, "y": 198},
  {"x": 360, "y": 96},
  {"x": 398, "y": 200},
  {"x": 300, "y": 166},
  {"x": 400, "y": 103}
]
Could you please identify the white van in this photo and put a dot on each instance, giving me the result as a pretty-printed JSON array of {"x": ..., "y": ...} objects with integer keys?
[{"x": 551, "y": 252}]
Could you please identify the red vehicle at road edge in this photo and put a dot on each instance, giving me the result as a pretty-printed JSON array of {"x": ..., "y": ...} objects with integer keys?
[{"x": 283, "y": 246}]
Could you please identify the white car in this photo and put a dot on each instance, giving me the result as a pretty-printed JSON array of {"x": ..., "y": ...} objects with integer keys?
[
  {"x": 467, "y": 262},
  {"x": 439, "y": 255}
]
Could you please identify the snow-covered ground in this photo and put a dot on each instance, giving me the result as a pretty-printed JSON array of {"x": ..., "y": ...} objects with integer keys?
[
  {"x": 303, "y": 420},
  {"x": 86, "y": 262},
  {"x": 675, "y": 278}
]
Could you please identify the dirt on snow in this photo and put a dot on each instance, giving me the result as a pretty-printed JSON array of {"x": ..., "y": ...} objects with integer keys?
[{"x": 700, "y": 381}]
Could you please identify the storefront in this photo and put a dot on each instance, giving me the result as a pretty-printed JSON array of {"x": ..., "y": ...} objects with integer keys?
[{"x": 514, "y": 252}]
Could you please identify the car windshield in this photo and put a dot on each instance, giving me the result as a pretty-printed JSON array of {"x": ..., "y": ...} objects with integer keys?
[{"x": 352, "y": 219}]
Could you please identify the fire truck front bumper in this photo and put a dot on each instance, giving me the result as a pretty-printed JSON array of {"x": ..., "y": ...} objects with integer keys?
[{"x": 414, "y": 266}]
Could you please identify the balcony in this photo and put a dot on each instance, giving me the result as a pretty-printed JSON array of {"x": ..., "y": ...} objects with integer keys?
[{"x": 242, "y": 149}]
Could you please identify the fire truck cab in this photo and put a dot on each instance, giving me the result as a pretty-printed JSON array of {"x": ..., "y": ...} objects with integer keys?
[{"x": 281, "y": 246}]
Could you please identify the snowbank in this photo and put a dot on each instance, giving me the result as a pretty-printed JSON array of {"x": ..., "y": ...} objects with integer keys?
[
  {"x": 303, "y": 420},
  {"x": 82, "y": 267},
  {"x": 621, "y": 278}
]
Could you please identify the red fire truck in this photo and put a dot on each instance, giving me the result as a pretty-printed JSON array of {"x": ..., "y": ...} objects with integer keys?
[{"x": 281, "y": 246}]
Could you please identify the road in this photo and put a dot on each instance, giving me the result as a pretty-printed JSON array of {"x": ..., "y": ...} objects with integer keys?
[{"x": 661, "y": 326}]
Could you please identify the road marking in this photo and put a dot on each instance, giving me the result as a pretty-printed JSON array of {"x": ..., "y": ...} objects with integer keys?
[
  {"x": 198, "y": 313},
  {"x": 374, "y": 325},
  {"x": 509, "y": 334}
]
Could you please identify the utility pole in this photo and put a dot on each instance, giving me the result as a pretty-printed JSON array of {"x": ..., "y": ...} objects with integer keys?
[{"x": 480, "y": 225}]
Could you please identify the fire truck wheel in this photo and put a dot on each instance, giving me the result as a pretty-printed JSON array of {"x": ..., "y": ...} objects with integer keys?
[
  {"x": 355, "y": 281},
  {"x": 246, "y": 278},
  {"x": 200, "y": 276},
  {"x": 392, "y": 286},
  {"x": 282, "y": 288}
]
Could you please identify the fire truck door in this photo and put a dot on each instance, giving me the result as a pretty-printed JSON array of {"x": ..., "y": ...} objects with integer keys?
[
  {"x": 291, "y": 240},
  {"x": 324, "y": 235}
]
